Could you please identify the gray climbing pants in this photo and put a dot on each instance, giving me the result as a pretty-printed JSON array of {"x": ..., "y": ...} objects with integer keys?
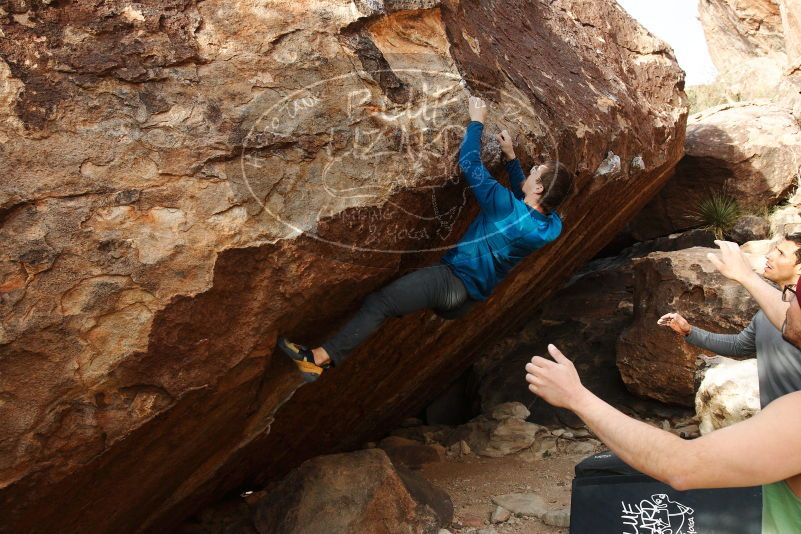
[{"x": 435, "y": 288}]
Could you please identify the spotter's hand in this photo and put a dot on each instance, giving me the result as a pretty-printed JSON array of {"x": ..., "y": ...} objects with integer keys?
[
  {"x": 732, "y": 262},
  {"x": 675, "y": 322},
  {"x": 555, "y": 380}
]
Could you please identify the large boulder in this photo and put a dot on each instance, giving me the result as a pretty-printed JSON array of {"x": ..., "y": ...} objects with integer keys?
[
  {"x": 737, "y": 31},
  {"x": 348, "y": 493},
  {"x": 188, "y": 180},
  {"x": 791, "y": 24},
  {"x": 756, "y": 47},
  {"x": 750, "y": 152},
  {"x": 745, "y": 39},
  {"x": 656, "y": 362},
  {"x": 584, "y": 319},
  {"x": 789, "y": 90},
  {"x": 727, "y": 394},
  {"x": 747, "y": 43}
]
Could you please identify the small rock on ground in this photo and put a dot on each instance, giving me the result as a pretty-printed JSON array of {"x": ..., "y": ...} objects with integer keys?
[
  {"x": 557, "y": 518},
  {"x": 522, "y": 503},
  {"x": 500, "y": 515}
]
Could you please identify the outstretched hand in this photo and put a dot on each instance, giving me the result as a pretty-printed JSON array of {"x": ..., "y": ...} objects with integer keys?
[
  {"x": 505, "y": 140},
  {"x": 675, "y": 322},
  {"x": 732, "y": 262},
  {"x": 555, "y": 380},
  {"x": 477, "y": 109}
]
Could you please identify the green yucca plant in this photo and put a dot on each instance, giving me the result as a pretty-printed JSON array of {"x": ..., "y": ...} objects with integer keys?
[{"x": 718, "y": 213}]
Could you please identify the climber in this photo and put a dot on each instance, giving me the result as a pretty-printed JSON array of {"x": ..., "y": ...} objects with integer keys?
[
  {"x": 764, "y": 449},
  {"x": 509, "y": 226},
  {"x": 778, "y": 362}
]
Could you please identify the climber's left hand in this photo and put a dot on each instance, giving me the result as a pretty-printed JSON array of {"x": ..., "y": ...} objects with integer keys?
[{"x": 477, "y": 109}]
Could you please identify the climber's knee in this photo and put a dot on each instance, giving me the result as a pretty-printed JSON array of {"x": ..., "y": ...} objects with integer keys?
[{"x": 380, "y": 303}]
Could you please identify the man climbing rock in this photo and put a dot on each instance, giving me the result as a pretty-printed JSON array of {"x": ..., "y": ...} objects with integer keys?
[
  {"x": 778, "y": 362},
  {"x": 509, "y": 226}
]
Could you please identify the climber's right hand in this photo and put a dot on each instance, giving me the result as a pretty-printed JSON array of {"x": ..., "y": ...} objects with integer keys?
[
  {"x": 505, "y": 140},
  {"x": 675, "y": 322}
]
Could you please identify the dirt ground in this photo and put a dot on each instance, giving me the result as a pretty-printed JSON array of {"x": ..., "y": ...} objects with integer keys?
[{"x": 472, "y": 481}]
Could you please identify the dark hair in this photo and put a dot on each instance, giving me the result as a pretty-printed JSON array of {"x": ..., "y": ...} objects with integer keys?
[
  {"x": 557, "y": 184},
  {"x": 795, "y": 238}
]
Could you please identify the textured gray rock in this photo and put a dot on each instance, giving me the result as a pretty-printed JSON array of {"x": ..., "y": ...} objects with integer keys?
[
  {"x": 557, "y": 518},
  {"x": 500, "y": 515},
  {"x": 489, "y": 437},
  {"x": 510, "y": 410},
  {"x": 529, "y": 504},
  {"x": 749, "y": 228},
  {"x": 583, "y": 448},
  {"x": 728, "y": 393}
]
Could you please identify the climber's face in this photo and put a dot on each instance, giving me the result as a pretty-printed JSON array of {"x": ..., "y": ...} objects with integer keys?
[{"x": 533, "y": 184}]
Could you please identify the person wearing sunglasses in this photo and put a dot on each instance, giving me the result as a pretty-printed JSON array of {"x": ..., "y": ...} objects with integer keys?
[
  {"x": 763, "y": 450},
  {"x": 778, "y": 362}
]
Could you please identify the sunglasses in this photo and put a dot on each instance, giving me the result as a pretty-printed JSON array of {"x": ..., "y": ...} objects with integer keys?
[{"x": 787, "y": 292}]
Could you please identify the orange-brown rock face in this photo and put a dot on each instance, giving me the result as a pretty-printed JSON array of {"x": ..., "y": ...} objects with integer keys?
[
  {"x": 791, "y": 22},
  {"x": 738, "y": 31},
  {"x": 184, "y": 181},
  {"x": 756, "y": 46}
]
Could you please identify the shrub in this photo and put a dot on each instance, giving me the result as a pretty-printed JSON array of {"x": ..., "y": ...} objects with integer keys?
[{"x": 718, "y": 213}]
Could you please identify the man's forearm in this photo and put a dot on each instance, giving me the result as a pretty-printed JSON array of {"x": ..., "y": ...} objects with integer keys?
[
  {"x": 723, "y": 344},
  {"x": 650, "y": 450},
  {"x": 470, "y": 152},
  {"x": 768, "y": 297}
]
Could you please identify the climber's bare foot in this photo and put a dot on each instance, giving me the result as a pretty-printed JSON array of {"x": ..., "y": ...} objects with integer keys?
[{"x": 321, "y": 357}]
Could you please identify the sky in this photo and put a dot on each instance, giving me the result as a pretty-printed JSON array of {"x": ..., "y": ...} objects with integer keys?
[{"x": 676, "y": 22}]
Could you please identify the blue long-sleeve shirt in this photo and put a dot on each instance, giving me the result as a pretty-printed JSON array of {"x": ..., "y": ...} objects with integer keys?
[{"x": 505, "y": 231}]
